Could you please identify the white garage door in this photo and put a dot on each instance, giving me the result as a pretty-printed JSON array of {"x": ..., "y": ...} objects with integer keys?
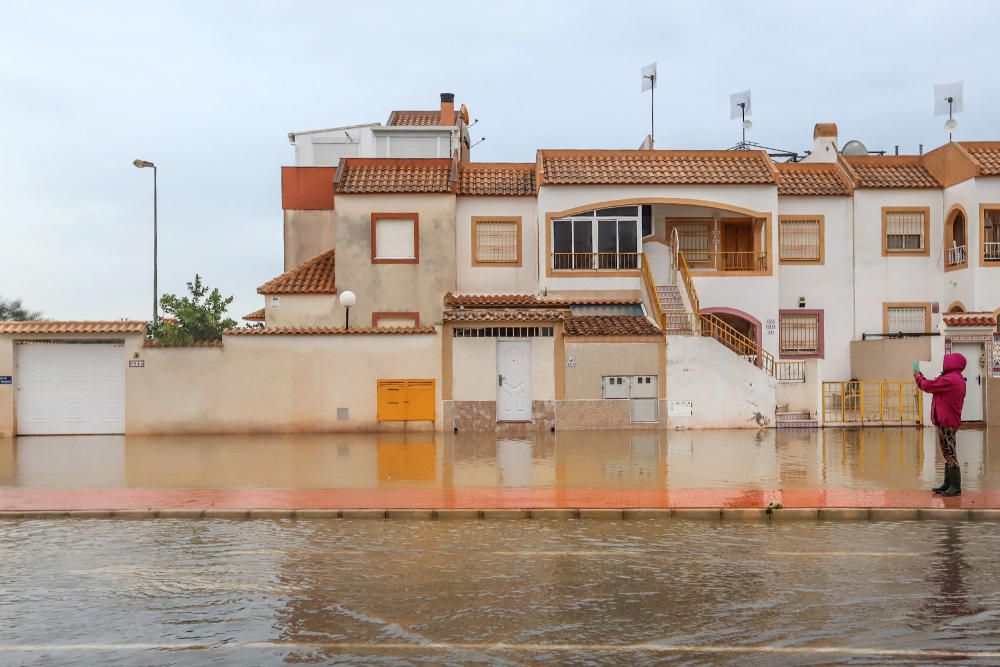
[{"x": 70, "y": 388}]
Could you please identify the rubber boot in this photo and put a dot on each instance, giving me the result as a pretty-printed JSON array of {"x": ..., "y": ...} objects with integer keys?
[
  {"x": 947, "y": 481},
  {"x": 955, "y": 488}
]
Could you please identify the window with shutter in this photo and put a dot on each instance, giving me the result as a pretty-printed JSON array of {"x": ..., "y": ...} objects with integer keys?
[
  {"x": 905, "y": 231},
  {"x": 800, "y": 239},
  {"x": 395, "y": 238}
]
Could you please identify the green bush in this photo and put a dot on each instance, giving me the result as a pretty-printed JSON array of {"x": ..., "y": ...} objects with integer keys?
[{"x": 198, "y": 317}]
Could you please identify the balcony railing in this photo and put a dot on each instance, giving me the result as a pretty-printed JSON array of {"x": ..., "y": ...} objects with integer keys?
[
  {"x": 957, "y": 255},
  {"x": 742, "y": 260},
  {"x": 991, "y": 251},
  {"x": 596, "y": 261}
]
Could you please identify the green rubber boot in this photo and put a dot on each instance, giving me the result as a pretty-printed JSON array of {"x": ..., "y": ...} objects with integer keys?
[
  {"x": 947, "y": 481},
  {"x": 955, "y": 488}
]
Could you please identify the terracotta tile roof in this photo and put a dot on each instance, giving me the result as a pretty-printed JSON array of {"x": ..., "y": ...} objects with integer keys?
[
  {"x": 610, "y": 325},
  {"x": 528, "y": 301},
  {"x": 509, "y": 179},
  {"x": 314, "y": 276},
  {"x": 327, "y": 331},
  {"x": 506, "y": 315},
  {"x": 197, "y": 343},
  {"x": 904, "y": 171},
  {"x": 970, "y": 320},
  {"x": 655, "y": 167},
  {"x": 391, "y": 175},
  {"x": 429, "y": 118},
  {"x": 74, "y": 327},
  {"x": 796, "y": 178},
  {"x": 986, "y": 154},
  {"x": 255, "y": 316}
]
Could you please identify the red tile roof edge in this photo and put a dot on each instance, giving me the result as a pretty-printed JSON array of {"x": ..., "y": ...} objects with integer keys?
[
  {"x": 328, "y": 331},
  {"x": 285, "y": 283},
  {"x": 73, "y": 327}
]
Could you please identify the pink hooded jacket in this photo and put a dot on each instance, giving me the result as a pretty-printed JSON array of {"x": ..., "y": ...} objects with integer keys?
[{"x": 948, "y": 390}]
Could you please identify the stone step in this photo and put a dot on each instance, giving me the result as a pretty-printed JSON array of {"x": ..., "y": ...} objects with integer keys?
[
  {"x": 793, "y": 415},
  {"x": 799, "y": 423}
]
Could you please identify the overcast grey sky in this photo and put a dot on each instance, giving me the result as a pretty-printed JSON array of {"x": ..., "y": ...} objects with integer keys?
[{"x": 209, "y": 91}]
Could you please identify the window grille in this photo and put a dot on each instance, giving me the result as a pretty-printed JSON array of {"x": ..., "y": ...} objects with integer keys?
[
  {"x": 907, "y": 320},
  {"x": 799, "y": 334},
  {"x": 799, "y": 240},
  {"x": 904, "y": 231},
  {"x": 497, "y": 241},
  {"x": 693, "y": 239},
  {"x": 502, "y": 332}
]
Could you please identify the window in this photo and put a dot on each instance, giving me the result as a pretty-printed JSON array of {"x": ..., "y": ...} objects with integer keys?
[
  {"x": 907, "y": 318},
  {"x": 496, "y": 241},
  {"x": 956, "y": 254},
  {"x": 801, "y": 333},
  {"x": 905, "y": 231},
  {"x": 395, "y": 238},
  {"x": 604, "y": 239},
  {"x": 693, "y": 241},
  {"x": 991, "y": 236},
  {"x": 395, "y": 320},
  {"x": 800, "y": 239}
]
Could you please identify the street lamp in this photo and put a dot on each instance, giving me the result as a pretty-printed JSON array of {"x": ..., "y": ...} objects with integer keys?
[
  {"x": 347, "y": 299},
  {"x": 143, "y": 164}
]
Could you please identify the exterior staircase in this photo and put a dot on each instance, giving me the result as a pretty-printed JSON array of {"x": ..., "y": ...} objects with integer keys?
[
  {"x": 679, "y": 321},
  {"x": 794, "y": 419}
]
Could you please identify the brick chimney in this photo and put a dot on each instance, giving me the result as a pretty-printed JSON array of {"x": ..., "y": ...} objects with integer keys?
[
  {"x": 447, "y": 109},
  {"x": 824, "y": 143}
]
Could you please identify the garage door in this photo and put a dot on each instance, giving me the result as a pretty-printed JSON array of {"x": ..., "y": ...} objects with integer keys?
[{"x": 70, "y": 388}]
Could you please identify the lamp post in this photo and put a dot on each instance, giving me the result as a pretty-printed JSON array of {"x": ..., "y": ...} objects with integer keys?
[
  {"x": 347, "y": 299},
  {"x": 143, "y": 164}
]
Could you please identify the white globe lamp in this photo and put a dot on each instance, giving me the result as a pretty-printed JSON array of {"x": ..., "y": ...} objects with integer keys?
[{"x": 347, "y": 299}]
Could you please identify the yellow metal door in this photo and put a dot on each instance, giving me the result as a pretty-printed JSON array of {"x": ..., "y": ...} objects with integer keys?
[
  {"x": 420, "y": 400},
  {"x": 391, "y": 400}
]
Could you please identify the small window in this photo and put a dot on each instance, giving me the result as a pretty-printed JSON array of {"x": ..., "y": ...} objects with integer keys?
[
  {"x": 395, "y": 320},
  {"x": 800, "y": 239},
  {"x": 906, "y": 319},
  {"x": 394, "y": 238},
  {"x": 905, "y": 231},
  {"x": 275, "y": 302},
  {"x": 496, "y": 241},
  {"x": 800, "y": 334}
]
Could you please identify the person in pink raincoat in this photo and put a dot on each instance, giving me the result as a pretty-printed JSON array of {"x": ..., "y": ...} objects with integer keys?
[{"x": 948, "y": 396}]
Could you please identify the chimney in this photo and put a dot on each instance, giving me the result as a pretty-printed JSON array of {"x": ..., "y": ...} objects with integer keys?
[
  {"x": 824, "y": 143},
  {"x": 447, "y": 109}
]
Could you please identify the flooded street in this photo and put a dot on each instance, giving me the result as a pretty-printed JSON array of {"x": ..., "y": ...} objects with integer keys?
[
  {"x": 174, "y": 592},
  {"x": 889, "y": 458}
]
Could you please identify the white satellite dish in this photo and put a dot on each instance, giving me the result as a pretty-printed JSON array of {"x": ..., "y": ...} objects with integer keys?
[
  {"x": 949, "y": 99},
  {"x": 739, "y": 105},
  {"x": 648, "y": 77}
]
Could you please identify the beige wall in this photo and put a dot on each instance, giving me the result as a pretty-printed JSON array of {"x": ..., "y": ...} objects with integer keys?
[
  {"x": 305, "y": 310},
  {"x": 474, "y": 363},
  {"x": 307, "y": 234},
  {"x": 275, "y": 383},
  {"x": 887, "y": 359},
  {"x": 991, "y": 412},
  {"x": 595, "y": 360},
  {"x": 497, "y": 279},
  {"x": 396, "y": 287}
]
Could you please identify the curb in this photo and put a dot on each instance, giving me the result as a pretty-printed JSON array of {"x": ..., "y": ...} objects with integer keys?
[{"x": 721, "y": 514}]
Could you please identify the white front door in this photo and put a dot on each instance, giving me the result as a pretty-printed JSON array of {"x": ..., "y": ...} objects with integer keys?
[
  {"x": 70, "y": 389},
  {"x": 514, "y": 380},
  {"x": 972, "y": 411}
]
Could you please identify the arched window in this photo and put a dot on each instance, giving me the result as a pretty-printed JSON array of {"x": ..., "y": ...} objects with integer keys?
[
  {"x": 956, "y": 307},
  {"x": 955, "y": 240}
]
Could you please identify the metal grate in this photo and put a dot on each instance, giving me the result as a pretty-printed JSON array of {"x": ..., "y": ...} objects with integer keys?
[
  {"x": 799, "y": 334},
  {"x": 907, "y": 320},
  {"x": 798, "y": 240},
  {"x": 503, "y": 332},
  {"x": 904, "y": 231},
  {"x": 692, "y": 240},
  {"x": 496, "y": 241}
]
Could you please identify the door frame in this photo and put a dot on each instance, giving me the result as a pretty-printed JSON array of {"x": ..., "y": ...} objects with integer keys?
[
  {"x": 527, "y": 380},
  {"x": 980, "y": 388}
]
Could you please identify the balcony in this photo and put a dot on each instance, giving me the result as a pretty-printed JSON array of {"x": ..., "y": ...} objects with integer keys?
[
  {"x": 957, "y": 256},
  {"x": 991, "y": 251},
  {"x": 729, "y": 261},
  {"x": 596, "y": 261}
]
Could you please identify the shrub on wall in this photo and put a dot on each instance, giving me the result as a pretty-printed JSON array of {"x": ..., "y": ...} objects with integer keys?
[{"x": 200, "y": 316}]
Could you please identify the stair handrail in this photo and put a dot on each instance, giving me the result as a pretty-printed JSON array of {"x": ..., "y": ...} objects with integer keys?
[
  {"x": 739, "y": 343},
  {"x": 688, "y": 281},
  {"x": 654, "y": 297},
  {"x": 675, "y": 248}
]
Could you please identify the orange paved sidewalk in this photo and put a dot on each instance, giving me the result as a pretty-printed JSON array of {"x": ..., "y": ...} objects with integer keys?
[{"x": 18, "y": 499}]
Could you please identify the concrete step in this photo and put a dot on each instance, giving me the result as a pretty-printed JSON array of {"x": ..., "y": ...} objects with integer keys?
[
  {"x": 793, "y": 415},
  {"x": 799, "y": 423}
]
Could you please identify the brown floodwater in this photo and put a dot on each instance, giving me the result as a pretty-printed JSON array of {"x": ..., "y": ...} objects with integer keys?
[
  {"x": 886, "y": 458},
  {"x": 175, "y": 592}
]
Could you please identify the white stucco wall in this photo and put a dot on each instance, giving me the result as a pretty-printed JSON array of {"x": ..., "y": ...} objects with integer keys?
[
  {"x": 727, "y": 391},
  {"x": 305, "y": 310},
  {"x": 987, "y": 278},
  {"x": 496, "y": 279}
]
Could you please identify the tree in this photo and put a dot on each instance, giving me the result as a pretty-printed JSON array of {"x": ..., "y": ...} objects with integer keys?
[
  {"x": 11, "y": 309},
  {"x": 200, "y": 316}
]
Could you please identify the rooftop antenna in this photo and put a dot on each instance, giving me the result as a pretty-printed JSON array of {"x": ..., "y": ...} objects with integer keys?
[
  {"x": 649, "y": 83},
  {"x": 739, "y": 107},
  {"x": 949, "y": 99},
  {"x": 481, "y": 140}
]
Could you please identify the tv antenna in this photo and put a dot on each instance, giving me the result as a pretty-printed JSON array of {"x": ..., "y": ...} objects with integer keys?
[
  {"x": 649, "y": 83},
  {"x": 739, "y": 107},
  {"x": 481, "y": 140},
  {"x": 949, "y": 98}
]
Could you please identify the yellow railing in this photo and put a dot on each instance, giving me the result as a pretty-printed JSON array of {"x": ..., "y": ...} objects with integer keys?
[
  {"x": 688, "y": 281},
  {"x": 595, "y": 261},
  {"x": 712, "y": 325},
  {"x": 872, "y": 402},
  {"x": 741, "y": 260},
  {"x": 647, "y": 280}
]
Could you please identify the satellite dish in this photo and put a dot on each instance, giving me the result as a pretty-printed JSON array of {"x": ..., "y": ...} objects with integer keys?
[
  {"x": 739, "y": 105},
  {"x": 648, "y": 77},
  {"x": 854, "y": 148},
  {"x": 949, "y": 98},
  {"x": 465, "y": 114}
]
